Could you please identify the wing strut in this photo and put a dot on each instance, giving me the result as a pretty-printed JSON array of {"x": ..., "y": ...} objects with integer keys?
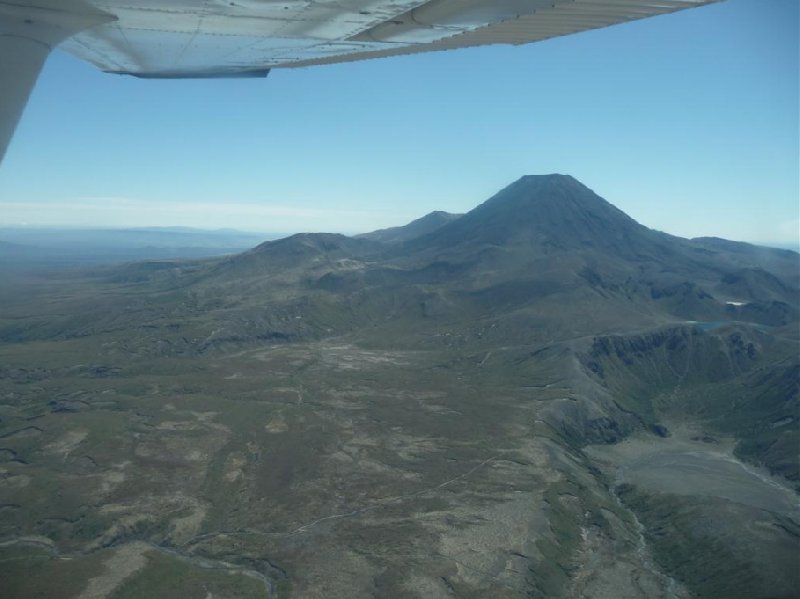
[{"x": 27, "y": 34}]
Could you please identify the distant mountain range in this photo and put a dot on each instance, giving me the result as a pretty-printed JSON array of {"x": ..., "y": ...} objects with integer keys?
[
  {"x": 23, "y": 247},
  {"x": 544, "y": 245},
  {"x": 128, "y": 238},
  {"x": 543, "y": 258}
]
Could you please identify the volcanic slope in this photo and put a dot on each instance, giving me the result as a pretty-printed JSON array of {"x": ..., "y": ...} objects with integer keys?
[
  {"x": 539, "y": 398},
  {"x": 421, "y": 226}
]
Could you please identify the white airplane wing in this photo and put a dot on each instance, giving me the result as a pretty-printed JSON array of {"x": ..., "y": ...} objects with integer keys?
[
  {"x": 159, "y": 38},
  {"x": 238, "y": 38}
]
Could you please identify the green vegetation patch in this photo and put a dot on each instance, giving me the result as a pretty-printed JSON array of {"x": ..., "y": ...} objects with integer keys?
[
  {"x": 26, "y": 573},
  {"x": 690, "y": 542},
  {"x": 166, "y": 576}
]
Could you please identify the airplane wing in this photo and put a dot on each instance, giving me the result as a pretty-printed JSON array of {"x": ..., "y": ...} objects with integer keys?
[
  {"x": 180, "y": 38},
  {"x": 247, "y": 38}
]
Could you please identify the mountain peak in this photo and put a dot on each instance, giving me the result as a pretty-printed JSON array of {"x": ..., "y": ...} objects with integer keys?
[
  {"x": 549, "y": 178},
  {"x": 549, "y": 211},
  {"x": 541, "y": 188}
]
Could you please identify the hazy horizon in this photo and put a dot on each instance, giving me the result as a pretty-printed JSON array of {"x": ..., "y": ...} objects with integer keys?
[{"x": 273, "y": 234}]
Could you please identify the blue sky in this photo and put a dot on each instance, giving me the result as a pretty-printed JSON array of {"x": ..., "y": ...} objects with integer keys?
[{"x": 688, "y": 122}]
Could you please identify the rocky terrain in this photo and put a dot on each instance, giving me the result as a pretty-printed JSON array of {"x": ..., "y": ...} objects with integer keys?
[{"x": 539, "y": 398}]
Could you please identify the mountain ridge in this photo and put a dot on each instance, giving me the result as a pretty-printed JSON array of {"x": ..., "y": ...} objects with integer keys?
[{"x": 417, "y": 227}]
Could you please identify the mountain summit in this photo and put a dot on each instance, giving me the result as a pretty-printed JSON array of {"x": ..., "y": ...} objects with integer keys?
[
  {"x": 553, "y": 212},
  {"x": 541, "y": 215}
]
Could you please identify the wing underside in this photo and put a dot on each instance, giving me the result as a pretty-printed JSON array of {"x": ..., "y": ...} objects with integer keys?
[{"x": 184, "y": 38}]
